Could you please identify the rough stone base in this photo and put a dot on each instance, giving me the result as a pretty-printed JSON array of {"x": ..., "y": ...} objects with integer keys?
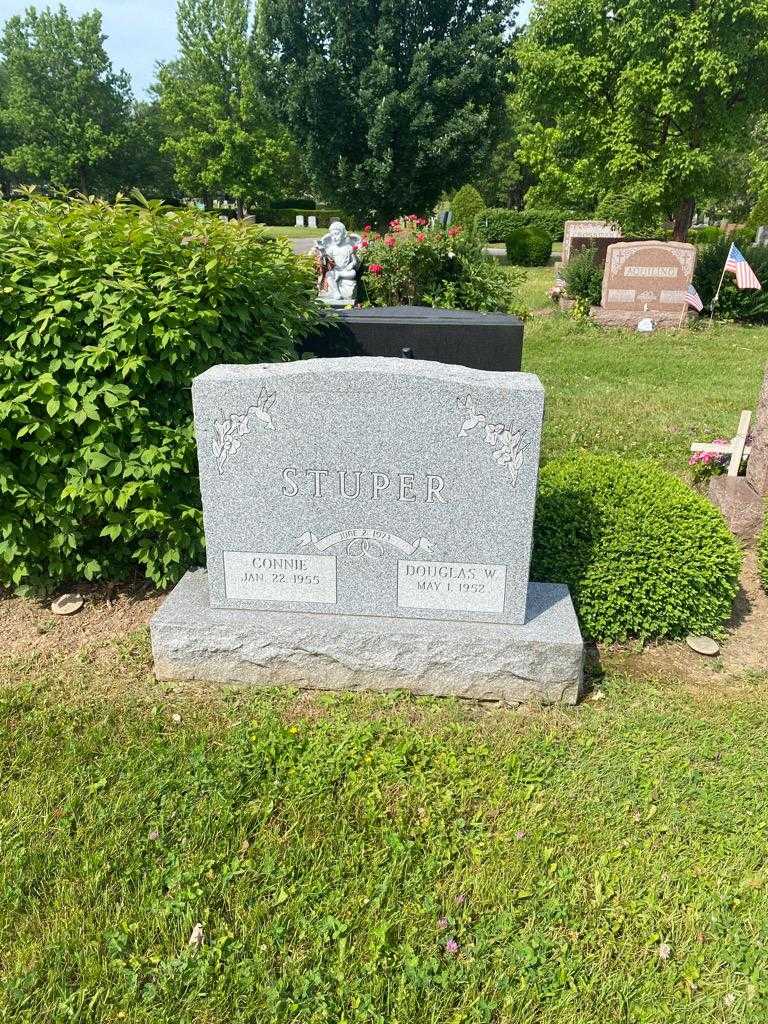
[
  {"x": 631, "y": 318},
  {"x": 739, "y": 502},
  {"x": 540, "y": 661}
]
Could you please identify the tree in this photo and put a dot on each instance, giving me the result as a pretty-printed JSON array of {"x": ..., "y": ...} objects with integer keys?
[
  {"x": 393, "y": 103},
  {"x": 641, "y": 105},
  {"x": 141, "y": 162},
  {"x": 64, "y": 108},
  {"x": 221, "y": 136},
  {"x": 502, "y": 178}
]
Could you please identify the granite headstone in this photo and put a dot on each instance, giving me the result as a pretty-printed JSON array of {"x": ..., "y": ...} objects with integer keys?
[
  {"x": 586, "y": 229},
  {"x": 369, "y": 523},
  {"x": 648, "y": 276}
]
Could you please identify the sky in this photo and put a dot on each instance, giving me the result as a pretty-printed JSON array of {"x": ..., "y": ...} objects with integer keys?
[{"x": 140, "y": 32}]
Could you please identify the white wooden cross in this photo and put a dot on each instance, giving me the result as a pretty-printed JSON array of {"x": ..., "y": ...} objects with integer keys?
[{"x": 737, "y": 447}]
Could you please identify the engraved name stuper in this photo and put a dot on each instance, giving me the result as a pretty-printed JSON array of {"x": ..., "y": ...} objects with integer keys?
[{"x": 372, "y": 485}]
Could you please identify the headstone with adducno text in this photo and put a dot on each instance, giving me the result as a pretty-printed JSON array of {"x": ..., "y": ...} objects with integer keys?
[{"x": 369, "y": 524}]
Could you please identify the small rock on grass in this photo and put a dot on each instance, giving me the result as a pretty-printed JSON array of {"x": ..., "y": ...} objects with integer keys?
[
  {"x": 703, "y": 645},
  {"x": 67, "y": 604}
]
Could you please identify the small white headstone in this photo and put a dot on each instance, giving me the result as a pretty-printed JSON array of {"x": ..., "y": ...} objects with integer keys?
[
  {"x": 646, "y": 325},
  {"x": 311, "y": 222},
  {"x": 299, "y": 220},
  {"x": 762, "y": 236}
]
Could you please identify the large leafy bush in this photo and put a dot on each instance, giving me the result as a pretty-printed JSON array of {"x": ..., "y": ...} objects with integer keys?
[
  {"x": 465, "y": 206},
  {"x": 643, "y": 554},
  {"x": 528, "y": 247},
  {"x": 106, "y": 315},
  {"x": 412, "y": 265},
  {"x": 734, "y": 303},
  {"x": 583, "y": 276}
]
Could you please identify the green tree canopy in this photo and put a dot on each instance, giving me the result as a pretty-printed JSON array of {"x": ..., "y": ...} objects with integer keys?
[
  {"x": 65, "y": 110},
  {"x": 221, "y": 136},
  {"x": 640, "y": 105},
  {"x": 392, "y": 103}
]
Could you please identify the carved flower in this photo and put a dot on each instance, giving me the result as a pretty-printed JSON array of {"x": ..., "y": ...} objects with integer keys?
[{"x": 492, "y": 433}]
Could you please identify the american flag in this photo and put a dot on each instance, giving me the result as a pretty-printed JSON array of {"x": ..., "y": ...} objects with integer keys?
[
  {"x": 693, "y": 298},
  {"x": 745, "y": 275}
]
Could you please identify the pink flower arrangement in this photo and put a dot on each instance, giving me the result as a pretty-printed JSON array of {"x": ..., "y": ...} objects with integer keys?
[
  {"x": 421, "y": 237},
  {"x": 375, "y": 268},
  {"x": 390, "y": 241},
  {"x": 706, "y": 458}
]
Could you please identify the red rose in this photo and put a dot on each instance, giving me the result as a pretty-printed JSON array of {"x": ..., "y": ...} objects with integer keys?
[
  {"x": 365, "y": 243},
  {"x": 421, "y": 237},
  {"x": 375, "y": 268},
  {"x": 390, "y": 241},
  {"x": 452, "y": 232},
  {"x": 367, "y": 228}
]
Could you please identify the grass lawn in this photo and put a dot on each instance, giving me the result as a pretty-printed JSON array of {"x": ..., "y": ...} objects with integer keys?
[
  {"x": 646, "y": 396},
  {"x": 605, "y": 863},
  {"x": 293, "y": 232}
]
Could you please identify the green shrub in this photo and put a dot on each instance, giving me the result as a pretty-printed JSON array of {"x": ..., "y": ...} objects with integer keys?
[
  {"x": 448, "y": 270},
  {"x": 106, "y": 315},
  {"x": 583, "y": 276},
  {"x": 465, "y": 206},
  {"x": 762, "y": 552},
  {"x": 644, "y": 555},
  {"x": 493, "y": 225},
  {"x": 734, "y": 303},
  {"x": 528, "y": 247},
  {"x": 759, "y": 215},
  {"x": 552, "y": 221},
  {"x": 705, "y": 235}
]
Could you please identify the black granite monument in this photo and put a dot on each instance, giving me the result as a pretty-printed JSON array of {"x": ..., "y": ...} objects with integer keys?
[{"x": 482, "y": 341}]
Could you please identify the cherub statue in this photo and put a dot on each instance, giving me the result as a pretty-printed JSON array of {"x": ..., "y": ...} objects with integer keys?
[{"x": 336, "y": 261}]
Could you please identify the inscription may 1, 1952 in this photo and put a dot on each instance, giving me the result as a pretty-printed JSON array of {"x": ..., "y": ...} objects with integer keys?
[{"x": 366, "y": 486}]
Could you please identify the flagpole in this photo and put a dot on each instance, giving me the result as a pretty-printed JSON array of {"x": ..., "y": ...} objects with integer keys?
[{"x": 717, "y": 293}]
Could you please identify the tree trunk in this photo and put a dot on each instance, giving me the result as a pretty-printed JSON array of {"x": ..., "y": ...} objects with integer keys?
[
  {"x": 683, "y": 219},
  {"x": 208, "y": 202},
  {"x": 240, "y": 208},
  {"x": 83, "y": 180}
]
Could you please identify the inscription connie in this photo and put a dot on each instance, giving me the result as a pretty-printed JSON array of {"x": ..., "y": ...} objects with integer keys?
[{"x": 370, "y": 485}]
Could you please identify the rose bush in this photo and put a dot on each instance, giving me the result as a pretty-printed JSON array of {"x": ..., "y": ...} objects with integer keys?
[{"x": 415, "y": 265}]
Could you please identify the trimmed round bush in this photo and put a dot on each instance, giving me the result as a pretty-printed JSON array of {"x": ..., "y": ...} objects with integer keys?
[
  {"x": 465, "y": 206},
  {"x": 106, "y": 315},
  {"x": 644, "y": 555},
  {"x": 528, "y": 247}
]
